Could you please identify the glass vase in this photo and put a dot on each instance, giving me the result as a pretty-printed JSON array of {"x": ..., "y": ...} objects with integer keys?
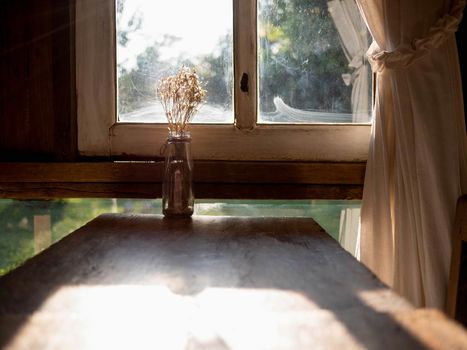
[{"x": 177, "y": 186}]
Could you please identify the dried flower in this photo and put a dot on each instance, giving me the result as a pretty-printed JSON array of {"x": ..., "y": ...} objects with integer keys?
[{"x": 180, "y": 95}]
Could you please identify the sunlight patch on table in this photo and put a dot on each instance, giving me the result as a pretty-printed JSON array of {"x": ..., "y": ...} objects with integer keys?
[{"x": 148, "y": 317}]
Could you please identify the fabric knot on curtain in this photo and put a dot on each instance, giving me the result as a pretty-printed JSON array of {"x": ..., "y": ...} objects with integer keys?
[
  {"x": 407, "y": 54},
  {"x": 357, "y": 64}
]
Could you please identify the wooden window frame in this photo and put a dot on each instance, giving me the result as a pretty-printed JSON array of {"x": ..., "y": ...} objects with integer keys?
[
  {"x": 212, "y": 179},
  {"x": 99, "y": 134}
]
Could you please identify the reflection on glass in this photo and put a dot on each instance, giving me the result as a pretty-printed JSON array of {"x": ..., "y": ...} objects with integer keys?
[
  {"x": 332, "y": 215},
  {"x": 312, "y": 66},
  {"x": 42, "y": 232},
  {"x": 156, "y": 37}
]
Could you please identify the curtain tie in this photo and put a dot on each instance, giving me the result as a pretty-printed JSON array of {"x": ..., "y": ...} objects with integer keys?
[
  {"x": 406, "y": 54},
  {"x": 357, "y": 62}
]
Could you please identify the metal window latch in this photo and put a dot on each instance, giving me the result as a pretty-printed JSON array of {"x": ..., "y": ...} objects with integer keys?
[{"x": 244, "y": 82}]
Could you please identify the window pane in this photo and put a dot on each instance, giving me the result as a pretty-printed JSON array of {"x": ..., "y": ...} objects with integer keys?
[
  {"x": 156, "y": 37},
  {"x": 339, "y": 218},
  {"x": 312, "y": 66},
  {"x": 29, "y": 226}
]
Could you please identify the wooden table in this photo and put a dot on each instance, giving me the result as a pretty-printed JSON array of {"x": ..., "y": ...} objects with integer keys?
[{"x": 143, "y": 282}]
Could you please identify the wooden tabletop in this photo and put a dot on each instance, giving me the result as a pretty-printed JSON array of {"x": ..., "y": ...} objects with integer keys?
[{"x": 144, "y": 282}]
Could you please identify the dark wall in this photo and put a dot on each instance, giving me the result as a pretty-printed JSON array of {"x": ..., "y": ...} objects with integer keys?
[
  {"x": 37, "y": 86},
  {"x": 37, "y": 89},
  {"x": 461, "y": 37}
]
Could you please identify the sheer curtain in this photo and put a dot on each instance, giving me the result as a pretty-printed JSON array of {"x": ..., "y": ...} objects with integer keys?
[
  {"x": 354, "y": 38},
  {"x": 417, "y": 161},
  {"x": 354, "y": 41}
]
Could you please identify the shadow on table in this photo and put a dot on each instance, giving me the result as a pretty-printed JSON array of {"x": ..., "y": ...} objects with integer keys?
[{"x": 190, "y": 256}]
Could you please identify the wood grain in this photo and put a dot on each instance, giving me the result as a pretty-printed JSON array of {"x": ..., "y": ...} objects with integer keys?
[
  {"x": 204, "y": 171},
  {"x": 153, "y": 190},
  {"x": 457, "y": 287},
  {"x": 216, "y": 180},
  {"x": 433, "y": 329},
  {"x": 245, "y": 62},
  {"x": 37, "y": 99},
  {"x": 461, "y": 38},
  {"x": 126, "y": 281},
  {"x": 247, "y": 282},
  {"x": 273, "y": 142}
]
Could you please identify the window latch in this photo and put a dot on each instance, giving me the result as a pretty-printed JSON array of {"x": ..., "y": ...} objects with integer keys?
[{"x": 244, "y": 82}]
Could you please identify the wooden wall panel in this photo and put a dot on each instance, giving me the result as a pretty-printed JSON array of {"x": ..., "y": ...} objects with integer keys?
[
  {"x": 461, "y": 37},
  {"x": 37, "y": 107},
  {"x": 65, "y": 116}
]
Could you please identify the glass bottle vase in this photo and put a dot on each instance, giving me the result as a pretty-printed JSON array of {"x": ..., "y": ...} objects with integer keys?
[{"x": 177, "y": 186}]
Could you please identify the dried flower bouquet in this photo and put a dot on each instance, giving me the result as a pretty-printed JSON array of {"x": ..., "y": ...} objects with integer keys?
[{"x": 180, "y": 95}]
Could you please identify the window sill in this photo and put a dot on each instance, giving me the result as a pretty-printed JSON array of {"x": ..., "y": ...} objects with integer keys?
[{"x": 212, "y": 179}]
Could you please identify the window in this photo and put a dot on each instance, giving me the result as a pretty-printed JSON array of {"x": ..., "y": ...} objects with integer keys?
[
  {"x": 150, "y": 47},
  {"x": 29, "y": 226},
  {"x": 305, "y": 92}
]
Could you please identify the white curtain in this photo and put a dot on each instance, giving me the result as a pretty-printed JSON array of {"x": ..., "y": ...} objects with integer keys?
[
  {"x": 349, "y": 227},
  {"x": 417, "y": 161},
  {"x": 354, "y": 38}
]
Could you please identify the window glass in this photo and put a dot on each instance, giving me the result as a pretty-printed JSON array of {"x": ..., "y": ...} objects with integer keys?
[
  {"x": 312, "y": 66},
  {"x": 29, "y": 226},
  {"x": 156, "y": 37}
]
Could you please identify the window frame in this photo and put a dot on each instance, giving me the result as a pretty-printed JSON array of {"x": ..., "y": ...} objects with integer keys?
[{"x": 99, "y": 133}]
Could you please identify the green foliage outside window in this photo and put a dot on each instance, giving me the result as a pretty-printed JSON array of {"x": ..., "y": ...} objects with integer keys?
[
  {"x": 299, "y": 47},
  {"x": 67, "y": 215}
]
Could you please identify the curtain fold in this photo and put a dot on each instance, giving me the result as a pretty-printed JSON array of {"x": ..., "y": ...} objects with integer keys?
[
  {"x": 349, "y": 227},
  {"x": 417, "y": 163}
]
